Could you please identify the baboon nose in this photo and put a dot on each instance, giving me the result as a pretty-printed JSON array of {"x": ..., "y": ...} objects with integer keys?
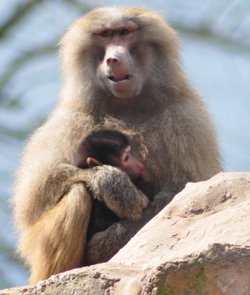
[{"x": 112, "y": 60}]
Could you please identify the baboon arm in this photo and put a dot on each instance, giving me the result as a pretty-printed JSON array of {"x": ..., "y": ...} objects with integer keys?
[
  {"x": 56, "y": 242},
  {"x": 113, "y": 187},
  {"x": 121, "y": 197},
  {"x": 103, "y": 245}
]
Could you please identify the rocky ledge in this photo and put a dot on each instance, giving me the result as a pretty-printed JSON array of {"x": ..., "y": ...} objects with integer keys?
[{"x": 198, "y": 244}]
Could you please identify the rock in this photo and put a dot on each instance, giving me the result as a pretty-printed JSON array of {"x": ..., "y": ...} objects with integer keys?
[{"x": 198, "y": 244}]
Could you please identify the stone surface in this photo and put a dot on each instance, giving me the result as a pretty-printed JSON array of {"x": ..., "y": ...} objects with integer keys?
[{"x": 198, "y": 244}]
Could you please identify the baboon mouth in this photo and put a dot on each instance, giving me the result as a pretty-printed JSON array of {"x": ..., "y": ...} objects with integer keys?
[{"x": 119, "y": 78}]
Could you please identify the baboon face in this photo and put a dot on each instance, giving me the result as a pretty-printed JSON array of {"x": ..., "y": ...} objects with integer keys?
[
  {"x": 119, "y": 68},
  {"x": 117, "y": 51}
]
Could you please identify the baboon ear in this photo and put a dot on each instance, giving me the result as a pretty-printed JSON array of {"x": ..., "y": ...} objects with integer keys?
[{"x": 92, "y": 162}]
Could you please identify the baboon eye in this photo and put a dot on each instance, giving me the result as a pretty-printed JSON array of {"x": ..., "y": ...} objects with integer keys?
[
  {"x": 126, "y": 158},
  {"x": 124, "y": 32},
  {"x": 105, "y": 33}
]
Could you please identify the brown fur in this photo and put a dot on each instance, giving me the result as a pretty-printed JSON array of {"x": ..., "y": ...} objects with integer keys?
[
  {"x": 165, "y": 121},
  {"x": 110, "y": 147}
]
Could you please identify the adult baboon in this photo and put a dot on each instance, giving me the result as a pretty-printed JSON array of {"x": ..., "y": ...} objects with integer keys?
[{"x": 121, "y": 71}]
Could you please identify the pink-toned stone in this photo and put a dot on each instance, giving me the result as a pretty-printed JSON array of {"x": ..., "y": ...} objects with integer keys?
[{"x": 199, "y": 244}]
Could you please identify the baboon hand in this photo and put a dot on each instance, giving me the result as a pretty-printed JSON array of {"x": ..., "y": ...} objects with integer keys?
[{"x": 116, "y": 190}]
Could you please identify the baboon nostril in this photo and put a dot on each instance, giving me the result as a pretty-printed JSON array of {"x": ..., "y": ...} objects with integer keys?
[{"x": 112, "y": 60}]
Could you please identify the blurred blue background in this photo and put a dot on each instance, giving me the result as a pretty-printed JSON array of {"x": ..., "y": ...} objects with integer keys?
[{"x": 215, "y": 51}]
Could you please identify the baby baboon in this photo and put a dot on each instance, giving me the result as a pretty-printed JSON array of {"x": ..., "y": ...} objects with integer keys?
[
  {"x": 121, "y": 71},
  {"x": 112, "y": 148}
]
